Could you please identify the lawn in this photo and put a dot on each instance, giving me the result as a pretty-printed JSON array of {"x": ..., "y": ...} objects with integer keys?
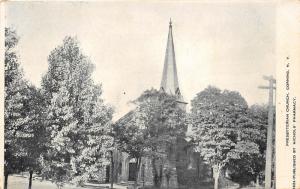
[{"x": 21, "y": 182}]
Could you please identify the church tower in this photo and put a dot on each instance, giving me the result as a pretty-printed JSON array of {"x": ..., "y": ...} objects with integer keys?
[
  {"x": 169, "y": 84},
  {"x": 169, "y": 81}
]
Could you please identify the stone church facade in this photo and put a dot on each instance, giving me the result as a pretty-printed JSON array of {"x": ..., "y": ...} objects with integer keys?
[{"x": 184, "y": 166}]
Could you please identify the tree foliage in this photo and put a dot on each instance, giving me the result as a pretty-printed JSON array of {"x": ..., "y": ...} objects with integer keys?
[
  {"x": 152, "y": 128},
  {"x": 78, "y": 120},
  {"x": 15, "y": 100},
  {"x": 251, "y": 166},
  {"x": 157, "y": 119},
  {"x": 18, "y": 115},
  {"x": 222, "y": 129},
  {"x": 24, "y": 130}
]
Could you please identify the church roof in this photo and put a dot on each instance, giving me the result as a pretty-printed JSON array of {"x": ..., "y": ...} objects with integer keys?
[{"x": 125, "y": 119}]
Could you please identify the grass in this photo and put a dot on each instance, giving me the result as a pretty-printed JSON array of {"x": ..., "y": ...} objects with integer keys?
[{"x": 21, "y": 182}]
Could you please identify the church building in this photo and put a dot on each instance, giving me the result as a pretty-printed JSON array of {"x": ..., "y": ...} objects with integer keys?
[{"x": 186, "y": 166}]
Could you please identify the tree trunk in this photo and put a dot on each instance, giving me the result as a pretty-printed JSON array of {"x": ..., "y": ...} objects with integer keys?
[
  {"x": 143, "y": 174},
  {"x": 160, "y": 176},
  {"x": 257, "y": 181},
  {"x": 138, "y": 163},
  {"x": 157, "y": 169},
  {"x": 198, "y": 168},
  {"x": 57, "y": 185},
  {"x": 5, "y": 180},
  {"x": 111, "y": 170},
  {"x": 216, "y": 184},
  {"x": 30, "y": 179},
  {"x": 217, "y": 170},
  {"x": 155, "y": 174}
]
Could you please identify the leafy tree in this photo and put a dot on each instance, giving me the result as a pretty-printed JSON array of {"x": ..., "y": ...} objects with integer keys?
[
  {"x": 222, "y": 130},
  {"x": 77, "y": 117},
  {"x": 164, "y": 121},
  {"x": 251, "y": 166},
  {"x": 24, "y": 130},
  {"x": 15, "y": 115},
  {"x": 61, "y": 148},
  {"x": 36, "y": 144},
  {"x": 151, "y": 129}
]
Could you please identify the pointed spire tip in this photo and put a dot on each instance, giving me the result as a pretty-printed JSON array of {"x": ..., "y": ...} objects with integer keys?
[{"x": 170, "y": 23}]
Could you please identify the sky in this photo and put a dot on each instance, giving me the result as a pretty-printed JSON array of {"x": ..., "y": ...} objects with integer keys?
[{"x": 227, "y": 45}]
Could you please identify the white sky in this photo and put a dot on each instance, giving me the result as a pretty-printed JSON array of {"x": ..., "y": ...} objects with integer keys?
[{"x": 228, "y": 45}]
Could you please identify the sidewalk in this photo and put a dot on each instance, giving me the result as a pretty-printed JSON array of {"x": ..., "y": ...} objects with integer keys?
[{"x": 100, "y": 186}]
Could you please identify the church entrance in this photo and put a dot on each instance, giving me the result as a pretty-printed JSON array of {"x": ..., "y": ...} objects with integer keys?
[{"x": 132, "y": 170}]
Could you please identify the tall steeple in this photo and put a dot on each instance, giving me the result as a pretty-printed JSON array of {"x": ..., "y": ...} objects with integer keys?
[{"x": 169, "y": 82}]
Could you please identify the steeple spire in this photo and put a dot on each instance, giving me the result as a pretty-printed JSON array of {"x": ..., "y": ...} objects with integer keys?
[{"x": 169, "y": 82}]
